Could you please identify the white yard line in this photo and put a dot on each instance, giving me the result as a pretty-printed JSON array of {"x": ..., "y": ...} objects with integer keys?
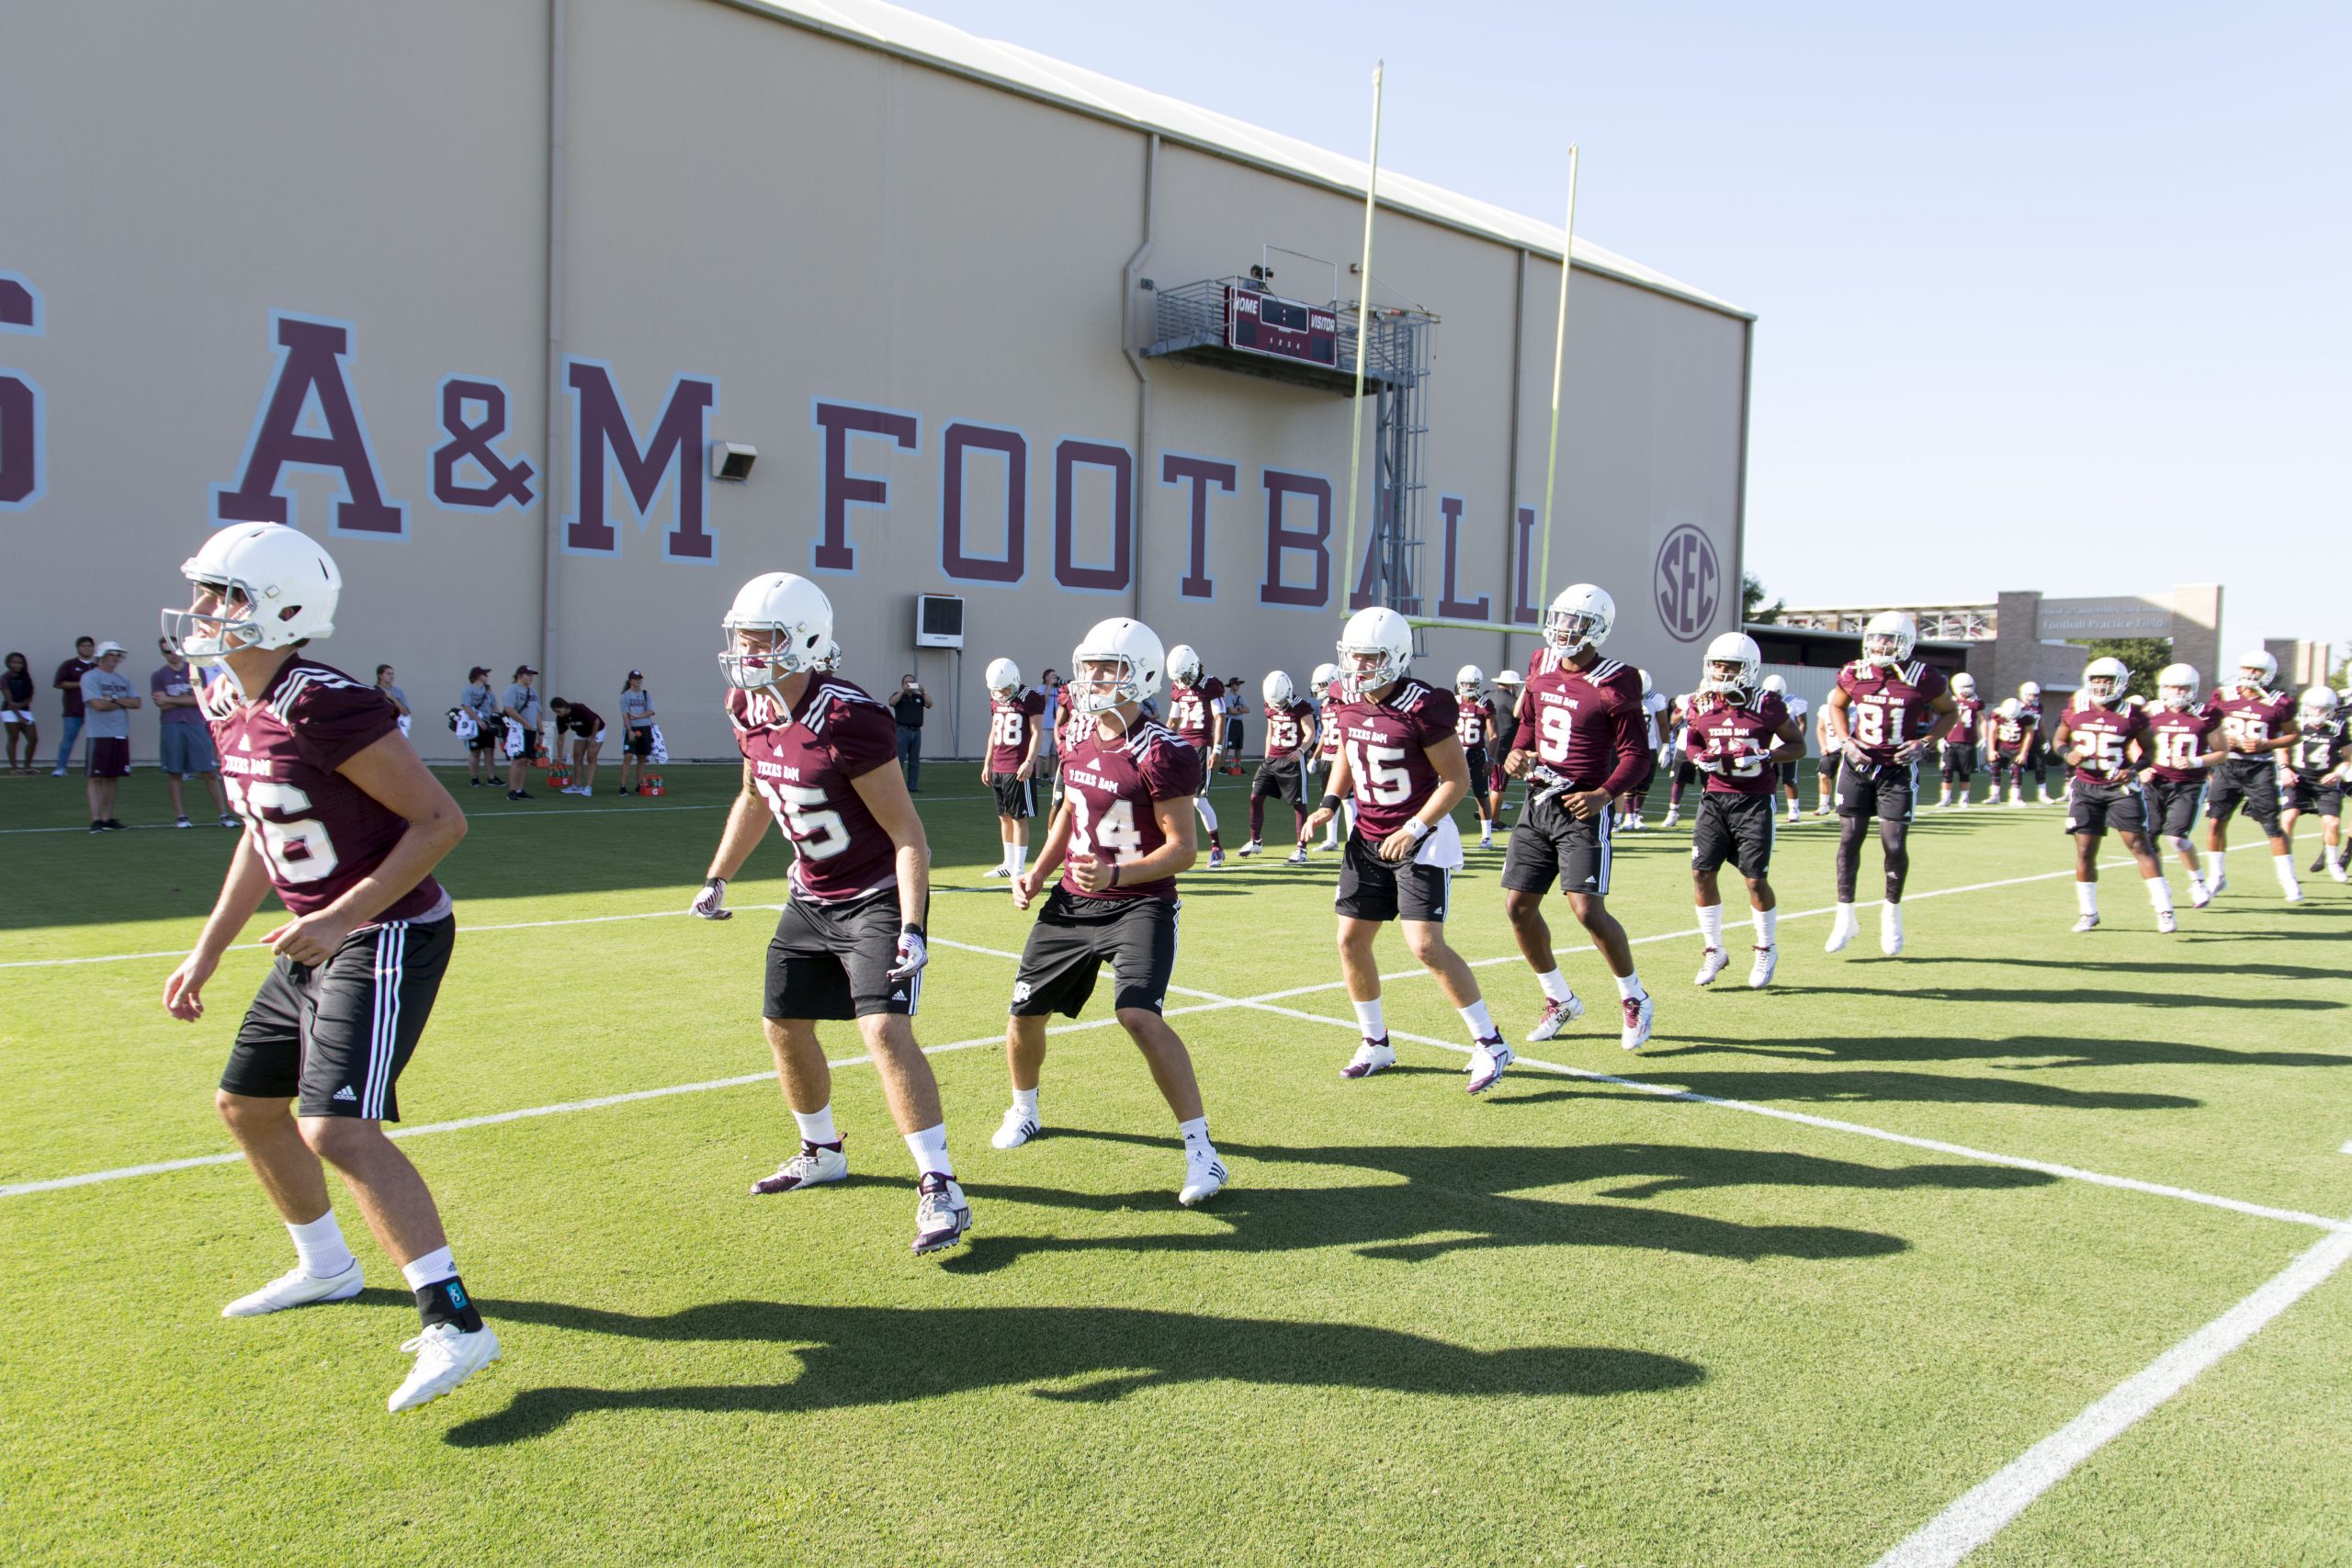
[{"x": 1986, "y": 1508}]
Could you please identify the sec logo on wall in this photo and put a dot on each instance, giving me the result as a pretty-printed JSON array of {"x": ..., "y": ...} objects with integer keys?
[{"x": 1688, "y": 583}]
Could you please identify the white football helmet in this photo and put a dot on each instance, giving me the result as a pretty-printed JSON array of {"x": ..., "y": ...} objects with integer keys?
[
  {"x": 2257, "y": 669},
  {"x": 1580, "y": 617},
  {"x": 1469, "y": 681},
  {"x": 1889, "y": 637},
  {"x": 1003, "y": 677},
  {"x": 1381, "y": 635},
  {"x": 2318, "y": 702},
  {"x": 2010, "y": 707},
  {"x": 1184, "y": 665},
  {"x": 286, "y": 580},
  {"x": 1277, "y": 690},
  {"x": 2177, "y": 686},
  {"x": 830, "y": 661},
  {"x": 2104, "y": 679},
  {"x": 1130, "y": 645},
  {"x": 1325, "y": 673},
  {"x": 1776, "y": 686},
  {"x": 1964, "y": 684},
  {"x": 2030, "y": 691},
  {"x": 797, "y": 617},
  {"x": 1737, "y": 650}
]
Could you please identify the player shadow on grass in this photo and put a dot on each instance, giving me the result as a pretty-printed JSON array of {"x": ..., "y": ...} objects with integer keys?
[
  {"x": 1464, "y": 1197},
  {"x": 857, "y": 1356},
  {"x": 2047, "y": 1052},
  {"x": 1857, "y": 1088},
  {"x": 2140, "y": 966},
  {"x": 2139, "y": 997}
]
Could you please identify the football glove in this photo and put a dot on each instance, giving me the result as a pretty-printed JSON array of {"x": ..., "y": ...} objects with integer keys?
[
  {"x": 1708, "y": 763},
  {"x": 913, "y": 956},
  {"x": 711, "y": 902}
]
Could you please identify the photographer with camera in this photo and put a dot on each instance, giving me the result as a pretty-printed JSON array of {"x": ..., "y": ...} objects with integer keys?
[{"x": 908, "y": 707}]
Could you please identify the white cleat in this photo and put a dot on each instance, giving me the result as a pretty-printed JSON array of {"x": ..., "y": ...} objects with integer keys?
[
  {"x": 813, "y": 1166},
  {"x": 1018, "y": 1128},
  {"x": 1372, "y": 1056},
  {"x": 445, "y": 1357},
  {"x": 2087, "y": 923},
  {"x": 941, "y": 1214},
  {"x": 1204, "y": 1176},
  {"x": 2016, "y": 799},
  {"x": 1672, "y": 818},
  {"x": 297, "y": 1289},
  {"x": 1843, "y": 930},
  {"x": 1488, "y": 1060},
  {"x": 1890, "y": 929},
  {"x": 1002, "y": 871},
  {"x": 2293, "y": 892},
  {"x": 1711, "y": 963},
  {"x": 2166, "y": 921},
  {"x": 1759, "y": 973},
  {"x": 1251, "y": 848},
  {"x": 1639, "y": 1012},
  {"x": 1557, "y": 1015},
  {"x": 2213, "y": 889},
  {"x": 1486, "y": 842},
  {"x": 2335, "y": 869},
  {"x": 1298, "y": 856}
]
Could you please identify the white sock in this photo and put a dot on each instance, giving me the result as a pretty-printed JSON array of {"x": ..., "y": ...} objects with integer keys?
[
  {"x": 2196, "y": 882},
  {"x": 430, "y": 1270},
  {"x": 1369, "y": 1020},
  {"x": 320, "y": 1246},
  {"x": 2160, "y": 894},
  {"x": 2285, "y": 866},
  {"x": 2334, "y": 853},
  {"x": 1629, "y": 986},
  {"x": 1475, "y": 1019},
  {"x": 1768, "y": 927},
  {"x": 2086, "y": 896},
  {"x": 817, "y": 1126},
  {"x": 1555, "y": 986},
  {"x": 1197, "y": 1131},
  {"x": 1711, "y": 924},
  {"x": 1026, "y": 1102},
  {"x": 1845, "y": 916},
  {"x": 1016, "y": 858},
  {"x": 1207, "y": 812},
  {"x": 2216, "y": 862},
  {"x": 929, "y": 1148}
]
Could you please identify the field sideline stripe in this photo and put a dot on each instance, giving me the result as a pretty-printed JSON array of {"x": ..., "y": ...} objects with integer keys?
[{"x": 1985, "y": 1509}]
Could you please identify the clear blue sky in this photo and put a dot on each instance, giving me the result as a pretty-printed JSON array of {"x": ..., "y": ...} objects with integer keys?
[{"x": 2050, "y": 296}]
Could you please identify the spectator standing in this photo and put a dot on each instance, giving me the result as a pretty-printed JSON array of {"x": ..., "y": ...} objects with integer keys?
[
  {"x": 68, "y": 680},
  {"x": 399, "y": 698},
  {"x": 107, "y": 697},
  {"x": 637, "y": 730},
  {"x": 587, "y": 727},
  {"x": 520, "y": 708},
  {"x": 185, "y": 741},
  {"x": 1237, "y": 702},
  {"x": 17, "y": 711},
  {"x": 908, "y": 707},
  {"x": 482, "y": 748}
]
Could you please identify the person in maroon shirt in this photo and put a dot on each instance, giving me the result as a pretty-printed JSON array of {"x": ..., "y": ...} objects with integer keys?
[
  {"x": 850, "y": 943},
  {"x": 1123, "y": 834},
  {"x": 1883, "y": 714},
  {"x": 1290, "y": 742},
  {"x": 1581, "y": 741},
  {"x": 1196, "y": 715},
  {"x": 345, "y": 824},
  {"x": 2317, "y": 766},
  {"x": 68, "y": 681},
  {"x": 1736, "y": 734},
  {"x": 2103, "y": 739},
  {"x": 587, "y": 727},
  {"x": 2257, "y": 724},
  {"x": 1473, "y": 726},
  {"x": 1324, "y": 690},
  {"x": 1959, "y": 743},
  {"x": 1016, "y": 714}
]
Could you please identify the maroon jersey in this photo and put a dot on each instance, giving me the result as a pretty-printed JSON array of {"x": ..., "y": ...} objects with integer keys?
[
  {"x": 318, "y": 834},
  {"x": 2176, "y": 738},
  {"x": 1193, "y": 711},
  {"x": 1740, "y": 736},
  {"x": 1887, "y": 705},
  {"x": 582, "y": 721},
  {"x": 1070, "y": 724},
  {"x": 1108, "y": 788},
  {"x": 1286, "y": 728},
  {"x": 1967, "y": 713},
  {"x": 1012, "y": 721},
  {"x": 1587, "y": 726},
  {"x": 1326, "y": 710},
  {"x": 2249, "y": 713},
  {"x": 2010, "y": 735},
  {"x": 802, "y": 762},
  {"x": 2104, "y": 737},
  {"x": 2316, "y": 747},
  {"x": 1388, "y": 745},
  {"x": 1476, "y": 721}
]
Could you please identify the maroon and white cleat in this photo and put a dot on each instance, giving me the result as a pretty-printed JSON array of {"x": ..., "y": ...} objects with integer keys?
[
  {"x": 1372, "y": 1056},
  {"x": 1557, "y": 1015},
  {"x": 814, "y": 1163},
  {"x": 1638, "y": 1012},
  {"x": 941, "y": 1214},
  {"x": 1487, "y": 1063}
]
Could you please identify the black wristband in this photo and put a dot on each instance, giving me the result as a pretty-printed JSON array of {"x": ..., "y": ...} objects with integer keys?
[
  {"x": 1330, "y": 802},
  {"x": 911, "y": 928},
  {"x": 1115, "y": 874}
]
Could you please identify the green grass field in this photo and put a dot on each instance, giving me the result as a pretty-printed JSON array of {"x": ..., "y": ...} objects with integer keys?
[{"x": 1575, "y": 1322}]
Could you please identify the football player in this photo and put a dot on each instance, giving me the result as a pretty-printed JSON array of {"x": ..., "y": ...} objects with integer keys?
[
  {"x": 1657, "y": 721},
  {"x": 818, "y": 755},
  {"x": 1400, "y": 758},
  {"x": 1682, "y": 771},
  {"x": 1959, "y": 742},
  {"x": 1475, "y": 723},
  {"x": 2182, "y": 745},
  {"x": 1123, "y": 835},
  {"x": 1825, "y": 777},
  {"x": 1797, "y": 708},
  {"x": 2103, "y": 738},
  {"x": 344, "y": 823},
  {"x": 1505, "y": 729},
  {"x": 2258, "y": 728},
  {"x": 2316, "y": 765},
  {"x": 1290, "y": 740},
  {"x": 1882, "y": 715},
  {"x": 1737, "y": 734},
  {"x": 1016, "y": 729},
  {"x": 1328, "y": 698},
  {"x": 2037, "y": 756},
  {"x": 1196, "y": 707},
  {"x": 2010, "y": 738},
  {"x": 1579, "y": 746}
]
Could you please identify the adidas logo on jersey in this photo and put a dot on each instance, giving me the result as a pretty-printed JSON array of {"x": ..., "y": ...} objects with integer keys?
[{"x": 344, "y": 1093}]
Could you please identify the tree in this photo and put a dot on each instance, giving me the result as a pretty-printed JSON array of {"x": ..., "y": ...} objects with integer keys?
[
  {"x": 1751, "y": 601},
  {"x": 2143, "y": 655}
]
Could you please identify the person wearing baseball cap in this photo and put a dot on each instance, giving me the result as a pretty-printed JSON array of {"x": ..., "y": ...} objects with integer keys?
[
  {"x": 637, "y": 730},
  {"x": 520, "y": 709},
  {"x": 480, "y": 703},
  {"x": 107, "y": 697}
]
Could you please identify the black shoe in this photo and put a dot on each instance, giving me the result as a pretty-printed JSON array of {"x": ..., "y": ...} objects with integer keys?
[
  {"x": 2320, "y": 864},
  {"x": 516, "y": 795},
  {"x": 97, "y": 827},
  {"x": 476, "y": 783}
]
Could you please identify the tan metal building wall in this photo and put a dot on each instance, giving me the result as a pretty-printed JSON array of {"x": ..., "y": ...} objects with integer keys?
[{"x": 772, "y": 234}]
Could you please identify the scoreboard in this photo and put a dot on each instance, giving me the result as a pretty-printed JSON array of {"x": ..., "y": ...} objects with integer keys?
[{"x": 1281, "y": 329}]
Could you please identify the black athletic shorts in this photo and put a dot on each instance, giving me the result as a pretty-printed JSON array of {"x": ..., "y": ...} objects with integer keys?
[
  {"x": 1476, "y": 758},
  {"x": 487, "y": 738},
  {"x": 2253, "y": 783},
  {"x": 2308, "y": 794},
  {"x": 1075, "y": 936},
  {"x": 2174, "y": 806},
  {"x": 1789, "y": 774},
  {"x": 2096, "y": 808},
  {"x": 1960, "y": 761},
  {"x": 1641, "y": 786},
  {"x": 1202, "y": 754},
  {"x": 1015, "y": 796},
  {"x": 639, "y": 741},
  {"x": 834, "y": 960},
  {"x": 1888, "y": 791},
  {"x": 1686, "y": 772},
  {"x": 1734, "y": 827},
  {"x": 1375, "y": 890},
  {"x": 334, "y": 1039},
  {"x": 1549, "y": 845},
  {"x": 1281, "y": 779}
]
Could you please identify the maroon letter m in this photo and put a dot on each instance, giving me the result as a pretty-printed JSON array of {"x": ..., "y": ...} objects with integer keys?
[{"x": 601, "y": 431}]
